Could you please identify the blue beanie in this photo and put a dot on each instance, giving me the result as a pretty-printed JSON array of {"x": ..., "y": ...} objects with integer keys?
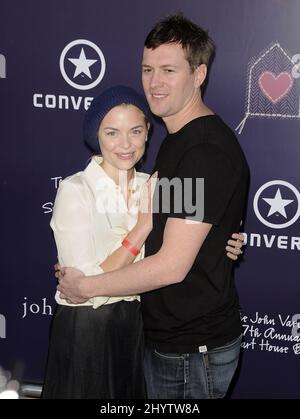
[{"x": 102, "y": 104}]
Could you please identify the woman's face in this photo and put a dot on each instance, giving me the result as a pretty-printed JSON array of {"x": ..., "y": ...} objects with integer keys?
[{"x": 122, "y": 136}]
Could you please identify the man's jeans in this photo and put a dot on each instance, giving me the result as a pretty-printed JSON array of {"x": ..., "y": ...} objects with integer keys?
[{"x": 191, "y": 376}]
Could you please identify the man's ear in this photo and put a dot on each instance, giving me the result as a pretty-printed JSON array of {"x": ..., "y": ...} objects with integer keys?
[{"x": 200, "y": 74}]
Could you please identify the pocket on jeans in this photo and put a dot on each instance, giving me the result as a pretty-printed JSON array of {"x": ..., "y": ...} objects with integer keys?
[
  {"x": 228, "y": 345},
  {"x": 167, "y": 355}
]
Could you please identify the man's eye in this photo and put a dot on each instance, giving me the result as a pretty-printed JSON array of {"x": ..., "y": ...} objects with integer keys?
[
  {"x": 136, "y": 131},
  {"x": 111, "y": 133}
]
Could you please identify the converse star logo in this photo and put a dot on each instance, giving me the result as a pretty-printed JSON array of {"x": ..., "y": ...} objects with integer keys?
[
  {"x": 277, "y": 204},
  {"x": 82, "y": 64}
]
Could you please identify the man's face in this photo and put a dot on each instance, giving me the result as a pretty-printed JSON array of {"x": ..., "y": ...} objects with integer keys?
[{"x": 169, "y": 84}]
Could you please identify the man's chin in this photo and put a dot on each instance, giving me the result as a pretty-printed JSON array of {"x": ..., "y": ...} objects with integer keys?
[{"x": 158, "y": 112}]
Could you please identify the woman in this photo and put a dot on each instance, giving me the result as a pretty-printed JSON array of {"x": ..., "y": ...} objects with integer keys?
[{"x": 96, "y": 348}]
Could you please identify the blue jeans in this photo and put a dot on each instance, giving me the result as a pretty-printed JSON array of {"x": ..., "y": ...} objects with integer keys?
[{"x": 191, "y": 376}]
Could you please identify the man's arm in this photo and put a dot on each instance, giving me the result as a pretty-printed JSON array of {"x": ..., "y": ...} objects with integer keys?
[{"x": 181, "y": 243}]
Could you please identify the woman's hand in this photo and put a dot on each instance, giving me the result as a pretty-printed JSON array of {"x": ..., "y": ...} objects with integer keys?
[
  {"x": 146, "y": 203},
  {"x": 234, "y": 246}
]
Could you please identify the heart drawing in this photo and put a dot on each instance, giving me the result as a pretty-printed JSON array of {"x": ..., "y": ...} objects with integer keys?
[{"x": 274, "y": 87}]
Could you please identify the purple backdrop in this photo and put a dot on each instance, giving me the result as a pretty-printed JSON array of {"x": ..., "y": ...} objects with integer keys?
[{"x": 253, "y": 85}]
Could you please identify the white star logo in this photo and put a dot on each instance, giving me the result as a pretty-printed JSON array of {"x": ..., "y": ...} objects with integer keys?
[
  {"x": 277, "y": 204},
  {"x": 82, "y": 64}
]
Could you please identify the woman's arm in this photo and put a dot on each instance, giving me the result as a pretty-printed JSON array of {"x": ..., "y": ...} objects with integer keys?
[{"x": 122, "y": 257}]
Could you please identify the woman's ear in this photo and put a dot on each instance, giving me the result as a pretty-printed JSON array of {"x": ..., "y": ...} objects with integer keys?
[{"x": 148, "y": 129}]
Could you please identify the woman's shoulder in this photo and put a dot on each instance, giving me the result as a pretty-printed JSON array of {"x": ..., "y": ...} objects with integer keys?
[
  {"x": 142, "y": 176},
  {"x": 72, "y": 188},
  {"x": 72, "y": 181}
]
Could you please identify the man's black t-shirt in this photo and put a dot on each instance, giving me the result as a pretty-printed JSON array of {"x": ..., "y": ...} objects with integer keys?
[{"x": 202, "y": 310}]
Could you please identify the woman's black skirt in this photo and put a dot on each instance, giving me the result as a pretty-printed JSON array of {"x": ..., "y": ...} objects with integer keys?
[{"x": 96, "y": 353}]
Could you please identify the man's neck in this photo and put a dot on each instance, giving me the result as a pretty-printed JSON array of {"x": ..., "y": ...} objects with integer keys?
[{"x": 175, "y": 122}]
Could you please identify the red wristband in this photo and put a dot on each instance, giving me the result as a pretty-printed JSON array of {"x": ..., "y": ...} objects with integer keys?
[{"x": 130, "y": 247}]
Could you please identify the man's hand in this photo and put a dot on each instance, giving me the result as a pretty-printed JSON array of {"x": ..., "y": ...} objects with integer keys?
[
  {"x": 70, "y": 284},
  {"x": 234, "y": 246}
]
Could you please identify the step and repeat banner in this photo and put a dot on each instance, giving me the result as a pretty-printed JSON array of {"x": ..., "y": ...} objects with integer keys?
[{"x": 54, "y": 58}]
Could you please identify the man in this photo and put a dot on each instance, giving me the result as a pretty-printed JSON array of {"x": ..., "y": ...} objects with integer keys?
[{"x": 190, "y": 306}]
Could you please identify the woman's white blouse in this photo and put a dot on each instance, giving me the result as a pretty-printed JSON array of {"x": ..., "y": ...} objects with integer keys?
[{"x": 90, "y": 219}]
